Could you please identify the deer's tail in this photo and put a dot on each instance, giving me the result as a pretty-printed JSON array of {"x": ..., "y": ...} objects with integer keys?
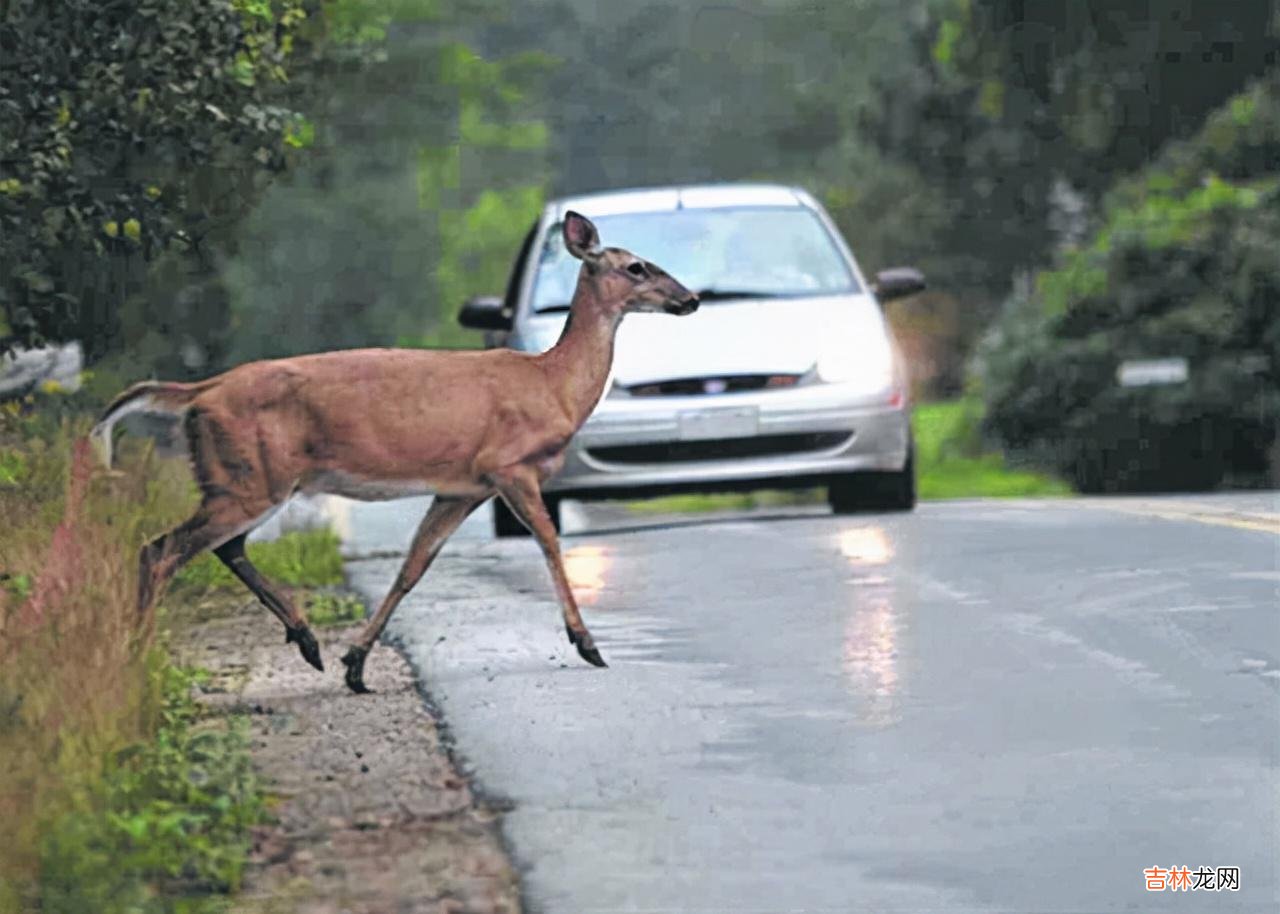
[{"x": 162, "y": 397}]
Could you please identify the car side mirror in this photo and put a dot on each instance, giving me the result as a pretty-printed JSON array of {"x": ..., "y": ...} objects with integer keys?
[
  {"x": 898, "y": 282},
  {"x": 485, "y": 312}
]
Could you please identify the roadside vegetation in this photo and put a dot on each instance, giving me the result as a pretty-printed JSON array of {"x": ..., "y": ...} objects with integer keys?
[
  {"x": 1184, "y": 264},
  {"x": 953, "y": 460},
  {"x": 119, "y": 792}
]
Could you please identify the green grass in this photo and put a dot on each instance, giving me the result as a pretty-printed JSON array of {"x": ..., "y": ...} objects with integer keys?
[
  {"x": 951, "y": 461},
  {"x": 307, "y": 558},
  {"x": 165, "y": 826},
  {"x": 328, "y": 608}
]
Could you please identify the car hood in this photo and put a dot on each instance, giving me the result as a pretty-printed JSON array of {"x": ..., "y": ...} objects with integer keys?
[{"x": 754, "y": 336}]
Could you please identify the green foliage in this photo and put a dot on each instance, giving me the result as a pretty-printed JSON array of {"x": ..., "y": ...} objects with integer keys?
[
  {"x": 166, "y": 826},
  {"x": 306, "y": 558},
  {"x": 1168, "y": 66},
  {"x": 479, "y": 228},
  {"x": 425, "y": 168},
  {"x": 953, "y": 462},
  {"x": 13, "y": 467},
  {"x": 329, "y": 608},
  {"x": 1186, "y": 265},
  {"x": 17, "y": 586},
  {"x": 300, "y": 134},
  {"x": 1157, "y": 221},
  {"x": 356, "y": 25},
  {"x": 125, "y": 129},
  {"x": 994, "y": 126},
  {"x": 477, "y": 247}
]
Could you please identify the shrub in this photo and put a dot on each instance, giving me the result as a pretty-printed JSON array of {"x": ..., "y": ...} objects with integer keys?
[{"x": 1185, "y": 265}]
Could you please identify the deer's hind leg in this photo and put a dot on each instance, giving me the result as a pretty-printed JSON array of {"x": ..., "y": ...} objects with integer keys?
[
  {"x": 211, "y": 526},
  {"x": 240, "y": 491},
  {"x": 296, "y": 630}
]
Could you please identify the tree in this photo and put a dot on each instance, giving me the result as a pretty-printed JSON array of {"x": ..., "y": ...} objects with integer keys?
[
  {"x": 1031, "y": 110},
  {"x": 127, "y": 128},
  {"x": 1186, "y": 265},
  {"x": 426, "y": 170}
]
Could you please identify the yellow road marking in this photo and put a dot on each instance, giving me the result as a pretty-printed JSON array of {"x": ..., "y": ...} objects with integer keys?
[{"x": 1200, "y": 513}]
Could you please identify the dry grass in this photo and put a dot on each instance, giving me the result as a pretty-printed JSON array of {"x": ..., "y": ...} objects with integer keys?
[
  {"x": 118, "y": 793},
  {"x": 74, "y": 679}
]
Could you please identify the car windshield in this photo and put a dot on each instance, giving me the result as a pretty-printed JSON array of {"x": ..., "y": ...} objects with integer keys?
[{"x": 720, "y": 253}]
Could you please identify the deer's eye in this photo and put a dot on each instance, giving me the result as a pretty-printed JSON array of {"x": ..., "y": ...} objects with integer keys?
[{"x": 636, "y": 269}]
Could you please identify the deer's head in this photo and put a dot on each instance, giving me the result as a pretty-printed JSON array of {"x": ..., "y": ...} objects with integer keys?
[{"x": 620, "y": 279}]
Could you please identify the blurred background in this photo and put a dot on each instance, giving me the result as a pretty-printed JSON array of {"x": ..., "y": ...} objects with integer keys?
[{"x": 1085, "y": 184}]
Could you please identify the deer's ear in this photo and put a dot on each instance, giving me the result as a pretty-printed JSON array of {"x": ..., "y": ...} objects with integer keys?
[{"x": 580, "y": 237}]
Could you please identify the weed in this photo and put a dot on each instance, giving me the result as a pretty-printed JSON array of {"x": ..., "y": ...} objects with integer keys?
[
  {"x": 165, "y": 825},
  {"x": 329, "y": 608},
  {"x": 114, "y": 795},
  {"x": 307, "y": 558}
]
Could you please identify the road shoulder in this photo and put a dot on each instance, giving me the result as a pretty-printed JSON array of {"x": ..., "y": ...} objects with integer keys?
[{"x": 370, "y": 813}]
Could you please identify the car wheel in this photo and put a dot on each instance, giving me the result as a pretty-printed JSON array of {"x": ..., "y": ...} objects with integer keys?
[
  {"x": 506, "y": 524},
  {"x": 874, "y": 491}
]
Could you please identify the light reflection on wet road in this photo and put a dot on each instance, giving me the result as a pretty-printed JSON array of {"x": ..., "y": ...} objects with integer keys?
[
  {"x": 587, "y": 567},
  {"x": 980, "y": 707},
  {"x": 870, "y": 655}
]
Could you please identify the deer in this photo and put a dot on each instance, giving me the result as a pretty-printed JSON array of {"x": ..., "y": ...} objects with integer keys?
[{"x": 376, "y": 424}]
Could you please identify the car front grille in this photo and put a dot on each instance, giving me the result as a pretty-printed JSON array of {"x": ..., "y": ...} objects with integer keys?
[
  {"x": 690, "y": 387},
  {"x": 718, "y": 448}
]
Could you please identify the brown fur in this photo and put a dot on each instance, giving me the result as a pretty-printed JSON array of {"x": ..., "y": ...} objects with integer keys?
[{"x": 465, "y": 425}]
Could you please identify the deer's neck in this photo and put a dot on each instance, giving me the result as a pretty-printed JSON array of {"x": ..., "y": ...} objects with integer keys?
[{"x": 578, "y": 365}]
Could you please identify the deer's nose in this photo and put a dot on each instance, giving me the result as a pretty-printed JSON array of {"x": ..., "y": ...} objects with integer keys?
[{"x": 689, "y": 305}]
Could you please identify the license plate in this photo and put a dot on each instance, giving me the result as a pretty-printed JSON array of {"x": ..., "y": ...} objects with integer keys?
[{"x": 701, "y": 424}]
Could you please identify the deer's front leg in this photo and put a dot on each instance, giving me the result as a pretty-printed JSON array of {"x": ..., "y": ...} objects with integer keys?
[
  {"x": 519, "y": 489},
  {"x": 444, "y": 516}
]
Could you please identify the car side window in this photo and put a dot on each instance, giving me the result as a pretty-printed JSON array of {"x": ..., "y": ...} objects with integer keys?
[{"x": 511, "y": 299}]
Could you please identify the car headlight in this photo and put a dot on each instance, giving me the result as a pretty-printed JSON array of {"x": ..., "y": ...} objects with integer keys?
[{"x": 869, "y": 368}]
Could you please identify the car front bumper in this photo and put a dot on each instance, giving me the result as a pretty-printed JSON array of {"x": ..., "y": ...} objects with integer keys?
[{"x": 799, "y": 436}]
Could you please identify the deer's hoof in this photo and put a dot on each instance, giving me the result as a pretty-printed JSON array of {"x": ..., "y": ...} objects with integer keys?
[
  {"x": 586, "y": 647},
  {"x": 353, "y": 660},
  {"x": 307, "y": 645},
  {"x": 591, "y": 655}
]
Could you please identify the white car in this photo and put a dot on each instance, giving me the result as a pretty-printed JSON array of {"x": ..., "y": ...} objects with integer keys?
[{"x": 787, "y": 376}]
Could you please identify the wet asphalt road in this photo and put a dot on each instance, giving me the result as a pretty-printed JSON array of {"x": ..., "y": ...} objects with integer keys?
[{"x": 982, "y": 706}]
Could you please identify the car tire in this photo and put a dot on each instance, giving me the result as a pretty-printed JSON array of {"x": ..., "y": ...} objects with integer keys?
[
  {"x": 851, "y": 493},
  {"x": 506, "y": 524}
]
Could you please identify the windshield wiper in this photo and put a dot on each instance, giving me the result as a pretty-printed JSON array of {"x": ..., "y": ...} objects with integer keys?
[
  {"x": 551, "y": 309},
  {"x": 722, "y": 294}
]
